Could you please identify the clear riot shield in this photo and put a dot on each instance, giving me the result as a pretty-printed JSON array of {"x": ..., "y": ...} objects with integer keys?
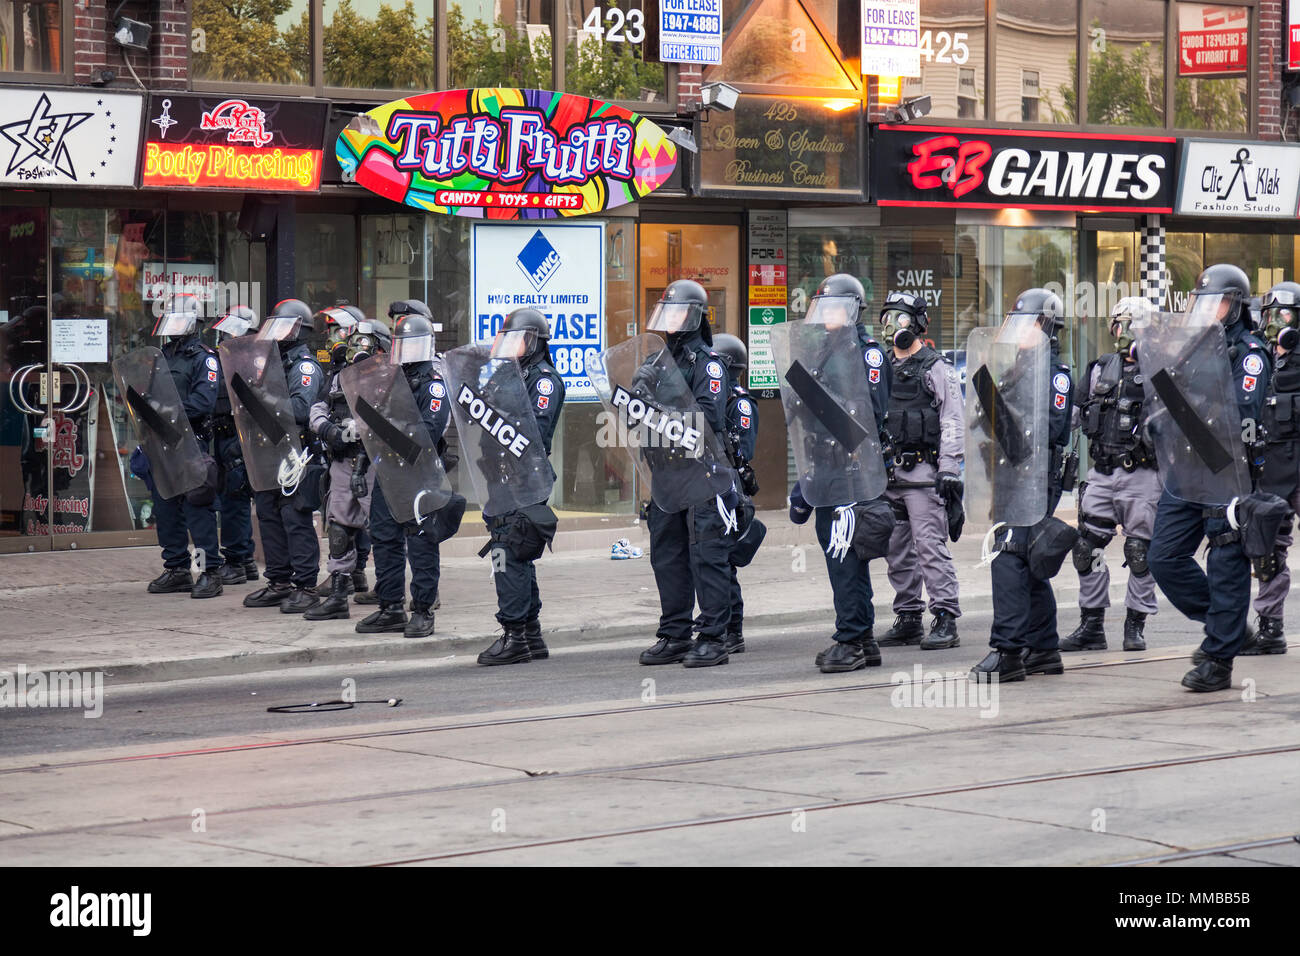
[
  {"x": 1007, "y": 424},
  {"x": 829, "y": 413},
  {"x": 1192, "y": 412},
  {"x": 501, "y": 444},
  {"x": 678, "y": 455},
  {"x": 259, "y": 399},
  {"x": 393, "y": 432},
  {"x": 161, "y": 426}
]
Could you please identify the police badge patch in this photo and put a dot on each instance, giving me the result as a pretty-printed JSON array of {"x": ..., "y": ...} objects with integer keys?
[
  {"x": 1253, "y": 365},
  {"x": 1059, "y": 401},
  {"x": 211, "y": 362},
  {"x": 437, "y": 390},
  {"x": 714, "y": 369},
  {"x": 307, "y": 368},
  {"x": 1061, "y": 383},
  {"x": 1249, "y": 382},
  {"x": 306, "y": 380},
  {"x": 874, "y": 375},
  {"x": 744, "y": 408},
  {"x": 875, "y": 358},
  {"x": 715, "y": 386},
  {"x": 545, "y": 386},
  {"x": 542, "y": 402}
]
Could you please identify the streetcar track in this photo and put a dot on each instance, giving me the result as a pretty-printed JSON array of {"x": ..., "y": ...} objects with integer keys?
[{"x": 1223, "y": 850}]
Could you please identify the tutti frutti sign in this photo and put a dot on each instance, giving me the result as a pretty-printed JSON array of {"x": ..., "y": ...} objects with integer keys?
[{"x": 505, "y": 154}]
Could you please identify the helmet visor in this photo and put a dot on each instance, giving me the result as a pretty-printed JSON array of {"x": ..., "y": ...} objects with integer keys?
[
  {"x": 1018, "y": 329},
  {"x": 1206, "y": 309},
  {"x": 834, "y": 311},
  {"x": 279, "y": 328},
  {"x": 415, "y": 348},
  {"x": 675, "y": 317},
  {"x": 231, "y": 324},
  {"x": 175, "y": 323},
  {"x": 339, "y": 318},
  {"x": 513, "y": 344}
]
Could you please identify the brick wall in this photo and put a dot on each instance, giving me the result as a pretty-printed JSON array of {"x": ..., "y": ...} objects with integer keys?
[
  {"x": 166, "y": 64},
  {"x": 1272, "y": 58},
  {"x": 689, "y": 77}
]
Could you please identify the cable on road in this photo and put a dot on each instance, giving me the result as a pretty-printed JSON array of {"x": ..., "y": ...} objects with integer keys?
[{"x": 325, "y": 706}]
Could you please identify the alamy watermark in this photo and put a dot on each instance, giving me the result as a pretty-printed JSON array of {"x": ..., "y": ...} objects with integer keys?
[
  {"x": 922, "y": 688},
  {"x": 82, "y": 690}
]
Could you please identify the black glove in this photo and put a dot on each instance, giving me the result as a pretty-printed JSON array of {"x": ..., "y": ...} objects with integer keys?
[
  {"x": 800, "y": 510},
  {"x": 948, "y": 485},
  {"x": 358, "y": 484},
  {"x": 730, "y": 500},
  {"x": 332, "y": 435}
]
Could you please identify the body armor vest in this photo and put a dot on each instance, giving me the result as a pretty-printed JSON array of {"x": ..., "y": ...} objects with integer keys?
[
  {"x": 1282, "y": 407},
  {"x": 912, "y": 421},
  {"x": 1112, "y": 416}
]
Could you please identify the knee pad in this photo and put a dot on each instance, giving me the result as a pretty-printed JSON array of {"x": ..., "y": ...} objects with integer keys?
[
  {"x": 1087, "y": 550},
  {"x": 340, "y": 540},
  {"x": 1135, "y": 555}
]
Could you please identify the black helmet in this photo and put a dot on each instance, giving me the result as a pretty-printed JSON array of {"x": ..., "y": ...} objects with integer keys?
[
  {"x": 238, "y": 321},
  {"x": 408, "y": 307},
  {"x": 519, "y": 334},
  {"x": 681, "y": 309},
  {"x": 412, "y": 340},
  {"x": 1280, "y": 314},
  {"x": 180, "y": 316},
  {"x": 1221, "y": 295},
  {"x": 1043, "y": 306},
  {"x": 732, "y": 350},
  {"x": 285, "y": 321},
  {"x": 839, "y": 300}
]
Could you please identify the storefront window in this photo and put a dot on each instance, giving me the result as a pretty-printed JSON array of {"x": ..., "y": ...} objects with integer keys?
[
  {"x": 325, "y": 251},
  {"x": 708, "y": 254},
  {"x": 373, "y": 45},
  {"x": 1037, "y": 62},
  {"x": 251, "y": 41},
  {"x": 31, "y": 37},
  {"x": 508, "y": 44},
  {"x": 1213, "y": 59},
  {"x": 1126, "y": 62},
  {"x": 605, "y": 58},
  {"x": 953, "y": 34},
  {"x": 781, "y": 43}
]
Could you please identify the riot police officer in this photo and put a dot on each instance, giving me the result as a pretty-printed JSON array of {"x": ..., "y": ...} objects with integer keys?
[
  {"x": 838, "y": 306},
  {"x": 1220, "y": 595},
  {"x": 234, "y": 497},
  {"x": 1123, "y": 486},
  {"x": 1024, "y": 638},
  {"x": 284, "y": 515},
  {"x": 926, "y": 431},
  {"x": 393, "y": 540},
  {"x": 742, "y": 437},
  {"x": 196, "y": 373},
  {"x": 524, "y": 336},
  {"x": 1280, "y": 321}
]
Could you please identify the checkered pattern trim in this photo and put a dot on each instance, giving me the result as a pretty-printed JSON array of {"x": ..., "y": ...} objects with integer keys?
[{"x": 1154, "y": 276}]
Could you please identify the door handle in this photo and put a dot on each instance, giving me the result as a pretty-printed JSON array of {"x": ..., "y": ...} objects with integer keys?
[
  {"x": 82, "y": 395},
  {"x": 18, "y": 383}
]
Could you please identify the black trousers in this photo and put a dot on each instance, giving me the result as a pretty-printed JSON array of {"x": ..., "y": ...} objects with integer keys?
[
  {"x": 855, "y": 615},
  {"x": 392, "y": 543},
  {"x": 289, "y": 540},
  {"x": 690, "y": 555},
  {"x": 177, "y": 522}
]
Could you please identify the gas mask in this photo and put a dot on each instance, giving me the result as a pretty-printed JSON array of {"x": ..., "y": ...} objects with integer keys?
[
  {"x": 360, "y": 348},
  {"x": 1122, "y": 330},
  {"x": 1280, "y": 328},
  {"x": 898, "y": 328}
]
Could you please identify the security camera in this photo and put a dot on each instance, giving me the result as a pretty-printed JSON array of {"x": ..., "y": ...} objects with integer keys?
[
  {"x": 911, "y": 110},
  {"x": 682, "y": 137},
  {"x": 719, "y": 96}
]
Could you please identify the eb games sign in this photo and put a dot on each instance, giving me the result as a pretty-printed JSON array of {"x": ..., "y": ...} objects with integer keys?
[{"x": 984, "y": 168}]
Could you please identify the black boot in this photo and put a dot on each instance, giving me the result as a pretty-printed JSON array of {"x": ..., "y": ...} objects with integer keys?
[
  {"x": 302, "y": 599},
  {"x": 335, "y": 607},
  {"x": 389, "y": 617},
  {"x": 172, "y": 581},
  {"x": 843, "y": 657},
  {"x": 366, "y": 597},
  {"x": 421, "y": 622},
  {"x": 1209, "y": 675},
  {"x": 1005, "y": 666},
  {"x": 357, "y": 582},
  {"x": 707, "y": 652},
  {"x": 536, "y": 646},
  {"x": 250, "y": 569},
  {"x": 1247, "y": 644},
  {"x": 735, "y": 641},
  {"x": 907, "y": 630},
  {"x": 510, "y": 648},
  {"x": 232, "y": 574},
  {"x": 943, "y": 632},
  {"x": 208, "y": 585},
  {"x": 1134, "y": 639},
  {"x": 667, "y": 651},
  {"x": 1271, "y": 639},
  {"x": 1090, "y": 635},
  {"x": 326, "y": 586},
  {"x": 1043, "y": 662},
  {"x": 269, "y": 596}
]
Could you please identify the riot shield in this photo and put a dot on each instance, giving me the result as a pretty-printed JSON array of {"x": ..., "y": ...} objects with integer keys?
[
  {"x": 390, "y": 426},
  {"x": 161, "y": 426},
  {"x": 500, "y": 442},
  {"x": 1007, "y": 396},
  {"x": 1192, "y": 412},
  {"x": 676, "y": 451},
  {"x": 259, "y": 399},
  {"x": 826, "y": 395}
]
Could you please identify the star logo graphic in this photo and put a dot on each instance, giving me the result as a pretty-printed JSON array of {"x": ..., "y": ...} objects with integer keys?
[
  {"x": 164, "y": 120},
  {"x": 41, "y": 136}
]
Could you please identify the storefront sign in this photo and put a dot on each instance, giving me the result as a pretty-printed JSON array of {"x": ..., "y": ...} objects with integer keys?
[
  {"x": 161, "y": 281},
  {"x": 947, "y": 166},
  {"x": 891, "y": 37},
  {"x": 1293, "y": 35},
  {"x": 690, "y": 31},
  {"x": 82, "y": 341},
  {"x": 1212, "y": 40},
  {"x": 1239, "y": 179},
  {"x": 69, "y": 138},
  {"x": 226, "y": 142},
  {"x": 557, "y": 269},
  {"x": 783, "y": 145},
  {"x": 767, "y": 293},
  {"x": 506, "y": 154}
]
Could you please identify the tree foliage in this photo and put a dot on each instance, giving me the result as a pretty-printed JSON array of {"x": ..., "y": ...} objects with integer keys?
[{"x": 242, "y": 43}]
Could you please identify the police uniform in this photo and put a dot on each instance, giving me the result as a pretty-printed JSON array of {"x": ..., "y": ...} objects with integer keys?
[
  {"x": 197, "y": 374},
  {"x": 346, "y": 514},
  {"x": 925, "y": 428},
  {"x": 234, "y": 496},
  {"x": 1122, "y": 489},
  {"x": 1219, "y": 596},
  {"x": 742, "y": 433},
  {"x": 1281, "y": 477}
]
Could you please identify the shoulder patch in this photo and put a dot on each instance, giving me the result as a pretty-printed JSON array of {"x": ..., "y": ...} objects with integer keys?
[
  {"x": 875, "y": 358},
  {"x": 211, "y": 363},
  {"x": 873, "y": 375},
  {"x": 745, "y": 407},
  {"x": 1253, "y": 364},
  {"x": 307, "y": 368},
  {"x": 545, "y": 386},
  {"x": 1061, "y": 383},
  {"x": 714, "y": 368},
  {"x": 437, "y": 389},
  {"x": 1059, "y": 400},
  {"x": 1248, "y": 383},
  {"x": 543, "y": 401}
]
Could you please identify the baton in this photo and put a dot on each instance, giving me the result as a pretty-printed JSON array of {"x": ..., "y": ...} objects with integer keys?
[
  {"x": 844, "y": 428},
  {"x": 407, "y": 448},
  {"x": 169, "y": 433},
  {"x": 262, "y": 416}
]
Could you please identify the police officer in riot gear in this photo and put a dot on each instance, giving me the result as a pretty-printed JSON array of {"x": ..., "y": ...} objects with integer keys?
[
  {"x": 1123, "y": 486},
  {"x": 742, "y": 437},
  {"x": 234, "y": 496},
  {"x": 412, "y": 349},
  {"x": 1280, "y": 327},
  {"x": 1220, "y": 595},
  {"x": 690, "y": 549},
  {"x": 525, "y": 336},
  {"x": 284, "y": 520},
  {"x": 925, "y": 428},
  {"x": 1024, "y": 637},
  {"x": 196, "y": 373}
]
